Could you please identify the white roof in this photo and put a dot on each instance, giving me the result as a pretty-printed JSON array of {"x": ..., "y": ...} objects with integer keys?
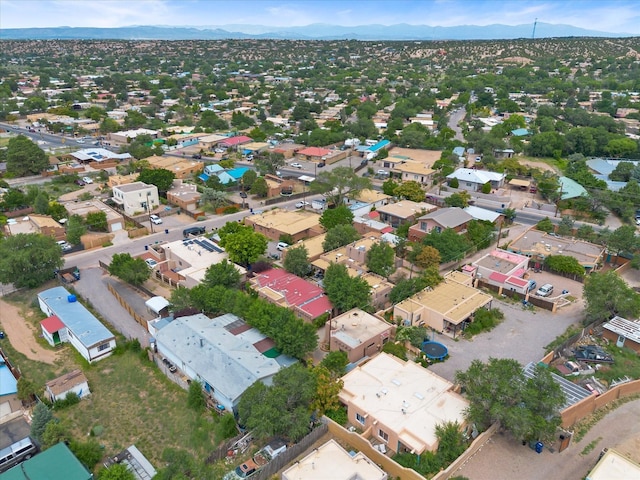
[
  {"x": 404, "y": 397},
  {"x": 98, "y": 155},
  {"x": 157, "y": 303},
  {"x": 482, "y": 213},
  {"x": 476, "y": 176}
]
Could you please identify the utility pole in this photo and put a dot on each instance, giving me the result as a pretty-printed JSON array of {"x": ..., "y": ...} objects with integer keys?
[{"x": 533, "y": 35}]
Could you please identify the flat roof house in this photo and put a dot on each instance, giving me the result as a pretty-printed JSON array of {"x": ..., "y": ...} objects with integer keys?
[
  {"x": 400, "y": 403},
  {"x": 33, "y": 223},
  {"x": 539, "y": 245},
  {"x": 84, "y": 331},
  {"x": 115, "y": 221},
  {"x": 357, "y": 333},
  {"x": 331, "y": 461},
  {"x": 503, "y": 269},
  {"x": 445, "y": 307},
  {"x": 184, "y": 195},
  {"x": 136, "y": 197},
  {"x": 224, "y": 353},
  {"x": 300, "y": 224}
]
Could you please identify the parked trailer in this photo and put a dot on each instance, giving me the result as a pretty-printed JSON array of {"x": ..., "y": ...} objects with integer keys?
[{"x": 68, "y": 275}]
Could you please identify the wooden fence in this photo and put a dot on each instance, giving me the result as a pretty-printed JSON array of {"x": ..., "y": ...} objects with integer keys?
[{"x": 126, "y": 306}]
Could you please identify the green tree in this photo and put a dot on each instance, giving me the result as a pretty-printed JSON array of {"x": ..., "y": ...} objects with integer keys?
[
  {"x": 282, "y": 409},
  {"x": 498, "y": 391},
  {"x": 389, "y": 187},
  {"x": 339, "y": 236},
  {"x": 564, "y": 264},
  {"x": 332, "y": 217},
  {"x": 118, "y": 471},
  {"x": 41, "y": 416},
  {"x": 339, "y": 183},
  {"x": 28, "y": 259},
  {"x": 480, "y": 233},
  {"x": 97, "y": 221},
  {"x": 181, "y": 299},
  {"x": 248, "y": 179},
  {"x": 381, "y": 259},
  {"x": 459, "y": 199},
  {"x": 296, "y": 261},
  {"x": 41, "y": 203},
  {"x": 245, "y": 246},
  {"x": 270, "y": 163},
  {"x": 75, "y": 229},
  {"x": 25, "y": 157},
  {"x": 336, "y": 362},
  {"x": 89, "y": 453},
  {"x": 345, "y": 292},
  {"x": 260, "y": 187},
  {"x": 426, "y": 256},
  {"x": 608, "y": 295},
  {"x": 328, "y": 388},
  {"x": 161, "y": 178},
  {"x": 26, "y": 389},
  {"x": 131, "y": 270},
  {"x": 54, "y": 433},
  {"x": 545, "y": 225},
  {"x": 486, "y": 188},
  {"x": 195, "y": 398},
  {"x": 224, "y": 274},
  {"x": 451, "y": 442},
  {"x": 622, "y": 239},
  {"x": 410, "y": 190},
  {"x": 449, "y": 243}
]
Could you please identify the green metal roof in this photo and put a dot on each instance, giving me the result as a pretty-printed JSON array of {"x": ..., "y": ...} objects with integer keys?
[
  {"x": 55, "y": 463},
  {"x": 571, "y": 188}
]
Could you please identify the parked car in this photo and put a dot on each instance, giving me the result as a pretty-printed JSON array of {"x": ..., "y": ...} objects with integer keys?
[
  {"x": 155, "y": 219},
  {"x": 592, "y": 353},
  {"x": 545, "y": 290},
  {"x": 296, "y": 165},
  {"x": 196, "y": 156},
  {"x": 321, "y": 164},
  {"x": 220, "y": 150},
  {"x": 80, "y": 182},
  {"x": 532, "y": 285},
  {"x": 282, "y": 245},
  {"x": 249, "y": 158},
  {"x": 87, "y": 180},
  {"x": 150, "y": 263},
  {"x": 172, "y": 368},
  {"x": 382, "y": 172},
  {"x": 193, "y": 231},
  {"x": 65, "y": 246},
  {"x": 301, "y": 204}
]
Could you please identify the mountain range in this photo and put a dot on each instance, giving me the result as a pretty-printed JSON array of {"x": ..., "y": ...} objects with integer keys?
[{"x": 309, "y": 32}]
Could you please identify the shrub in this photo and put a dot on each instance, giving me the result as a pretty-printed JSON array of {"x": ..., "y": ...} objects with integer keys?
[{"x": 71, "y": 399}]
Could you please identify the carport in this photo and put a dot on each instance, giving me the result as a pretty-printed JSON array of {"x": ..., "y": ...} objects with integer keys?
[{"x": 521, "y": 184}]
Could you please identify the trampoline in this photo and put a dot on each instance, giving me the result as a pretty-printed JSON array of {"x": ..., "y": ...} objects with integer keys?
[{"x": 434, "y": 350}]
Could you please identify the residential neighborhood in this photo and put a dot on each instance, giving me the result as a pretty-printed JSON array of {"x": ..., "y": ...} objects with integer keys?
[{"x": 283, "y": 258}]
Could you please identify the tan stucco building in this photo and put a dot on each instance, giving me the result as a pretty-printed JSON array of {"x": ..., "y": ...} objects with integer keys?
[
  {"x": 300, "y": 224},
  {"x": 358, "y": 333}
]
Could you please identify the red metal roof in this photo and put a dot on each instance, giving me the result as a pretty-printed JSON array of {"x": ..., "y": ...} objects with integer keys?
[
  {"x": 498, "y": 277},
  {"x": 519, "y": 282},
  {"x": 317, "y": 307},
  {"x": 52, "y": 324},
  {"x": 233, "y": 141},
  {"x": 297, "y": 291}
]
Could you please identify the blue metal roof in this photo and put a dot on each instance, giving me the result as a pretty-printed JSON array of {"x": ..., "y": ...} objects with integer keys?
[
  {"x": 520, "y": 132},
  {"x": 204, "y": 177},
  {"x": 571, "y": 188},
  {"x": 458, "y": 151},
  {"x": 237, "y": 173},
  {"x": 8, "y": 383},
  {"x": 381, "y": 144},
  {"x": 80, "y": 321}
]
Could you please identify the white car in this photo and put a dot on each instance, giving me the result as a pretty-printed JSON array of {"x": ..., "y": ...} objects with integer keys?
[
  {"x": 296, "y": 165},
  {"x": 383, "y": 172},
  {"x": 155, "y": 219},
  {"x": 87, "y": 180},
  {"x": 545, "y": 290},
  {"x": 64, "y": 245},
  {"x": 282, "y": 245},
  {"x": 151, "y": 263},
  {"x": 301, "y": 204}
]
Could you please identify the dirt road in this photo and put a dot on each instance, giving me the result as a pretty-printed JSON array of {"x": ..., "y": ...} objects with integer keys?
[{"x": 22, "y": 335}]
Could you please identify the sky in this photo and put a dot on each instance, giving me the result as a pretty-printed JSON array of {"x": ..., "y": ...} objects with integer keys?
[{"x": 615, "y": 16}]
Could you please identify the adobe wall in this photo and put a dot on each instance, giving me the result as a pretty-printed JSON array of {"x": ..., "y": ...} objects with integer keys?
[{"x": 571, "y": 415}]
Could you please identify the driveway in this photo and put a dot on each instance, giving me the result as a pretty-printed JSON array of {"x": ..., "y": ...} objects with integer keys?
[
  {"x": 522, "y": 335},
  {"x": 504, "y": 458}
]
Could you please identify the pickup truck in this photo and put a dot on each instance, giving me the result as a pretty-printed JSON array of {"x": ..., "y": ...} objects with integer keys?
[
  {"x": 68, "y": 275},
  {"x": 260, "y": 459}
]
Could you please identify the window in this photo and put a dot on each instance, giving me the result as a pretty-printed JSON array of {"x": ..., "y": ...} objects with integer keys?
[
  {"x": 383, "y": 435},
  {"x": 102, "y": 347},
  {"x": 360, "y": 418}
]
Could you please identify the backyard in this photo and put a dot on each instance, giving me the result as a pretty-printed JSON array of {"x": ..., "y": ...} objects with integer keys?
[{"x": 131, "y": 401}]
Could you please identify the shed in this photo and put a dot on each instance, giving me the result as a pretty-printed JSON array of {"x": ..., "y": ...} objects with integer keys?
[
  {"x": 72, "y": 382},
  {"x": 625, "y": 333},
  {"x": 53, "y": 330},
  {"x": 158, "y": 305},
  {"x": 55, "y": 463}
]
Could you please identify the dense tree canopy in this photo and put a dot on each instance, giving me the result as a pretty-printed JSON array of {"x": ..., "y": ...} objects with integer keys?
[
  {"x": 499, "y": 391},
  {"x": 28, "y": 259},
  {"x": 607, "y": 295},
  {"x": 332, "y": 217},
  {"x": 132, "y": 270},
  {"x": 24, "y": 157},
  {"x": 344, "y": 291},
  {"x": 161, "y": 178},
  {"x": 243, "y": 245},
  {"x": 339, "y": 236},
  {"x": 296, "y": 261}
]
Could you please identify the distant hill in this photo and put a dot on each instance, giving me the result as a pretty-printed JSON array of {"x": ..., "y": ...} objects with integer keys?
[{"x": 309, "y": 32}]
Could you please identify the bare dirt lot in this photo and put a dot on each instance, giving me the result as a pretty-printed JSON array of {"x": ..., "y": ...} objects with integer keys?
[{"x": 22, "y": 335}]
